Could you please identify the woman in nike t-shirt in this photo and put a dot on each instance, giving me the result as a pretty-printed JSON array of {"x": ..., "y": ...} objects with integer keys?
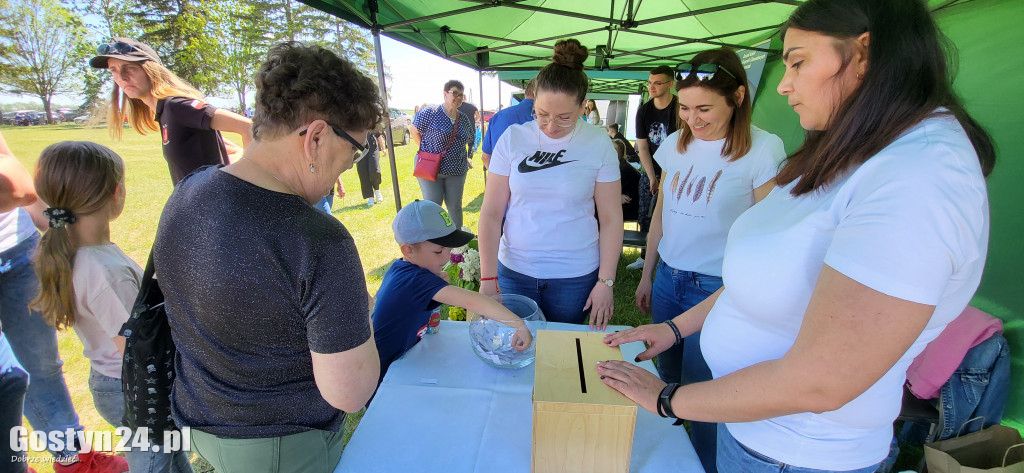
[{"x": 551, "y": 174}]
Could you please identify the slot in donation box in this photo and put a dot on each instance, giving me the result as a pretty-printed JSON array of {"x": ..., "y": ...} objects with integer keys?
[{"x": 579, "y": 424}]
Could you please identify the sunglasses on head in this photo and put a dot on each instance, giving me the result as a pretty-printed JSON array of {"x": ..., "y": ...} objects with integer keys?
[
  {"x": 704, "y": 72},
  {"x": 115, "y": 48},
  {"x": 360, "y": 152}
]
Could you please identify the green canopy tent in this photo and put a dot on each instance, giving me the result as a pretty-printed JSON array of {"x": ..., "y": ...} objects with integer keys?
[{"x": 633, "y": 36}]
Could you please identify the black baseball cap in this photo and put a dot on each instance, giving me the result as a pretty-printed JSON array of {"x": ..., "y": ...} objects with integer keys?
[{"x": 125, "y": 49}]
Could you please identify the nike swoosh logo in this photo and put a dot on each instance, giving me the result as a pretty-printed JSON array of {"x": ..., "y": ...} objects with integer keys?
[{"x": 525, "y": 167}]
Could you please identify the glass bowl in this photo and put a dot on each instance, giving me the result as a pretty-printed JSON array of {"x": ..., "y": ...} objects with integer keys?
[{"x": 492, "y": 340}]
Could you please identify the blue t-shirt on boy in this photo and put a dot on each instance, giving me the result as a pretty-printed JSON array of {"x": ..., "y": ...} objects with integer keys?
[{"x": 402, "y": 312}]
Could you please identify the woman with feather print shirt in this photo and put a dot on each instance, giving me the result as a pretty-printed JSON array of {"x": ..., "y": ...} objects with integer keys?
[{"x": 715, "y": 167}]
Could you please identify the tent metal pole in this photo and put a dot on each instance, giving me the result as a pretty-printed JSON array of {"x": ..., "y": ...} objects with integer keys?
[{"x": 387, "y": 119}]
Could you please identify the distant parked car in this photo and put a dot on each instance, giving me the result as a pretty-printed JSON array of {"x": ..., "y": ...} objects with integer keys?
[
  {"x": 63, "y": 115},
  {"x": 27, "y": 118},
  {"x": 400, "y": 126},
  {"x": 80, "y": 120}
]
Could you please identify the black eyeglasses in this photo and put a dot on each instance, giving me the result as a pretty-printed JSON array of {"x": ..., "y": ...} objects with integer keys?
[
  {"x": 704, "y": 72},
  {"x": 115, "y": 48},
  {"x": 457, "y": 94},
  {"x": 360, "y": 147}
]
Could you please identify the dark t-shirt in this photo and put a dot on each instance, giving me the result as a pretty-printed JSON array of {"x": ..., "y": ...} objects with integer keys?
[
  {"x": 254, "y": 280},
  {"x": 402, "y": 310},
  {"x": 189, "y": 143},
  {"x": 630, "y": 180},
  {"x": 655, "y": 125}
]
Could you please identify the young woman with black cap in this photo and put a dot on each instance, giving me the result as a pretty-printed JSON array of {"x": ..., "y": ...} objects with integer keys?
[{"x": 150, "y": 97}]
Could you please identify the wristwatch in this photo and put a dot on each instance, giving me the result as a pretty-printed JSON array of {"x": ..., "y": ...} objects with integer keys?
[
  {"x": 665, "y": 400},
  {"x": 606, "y": 282}
]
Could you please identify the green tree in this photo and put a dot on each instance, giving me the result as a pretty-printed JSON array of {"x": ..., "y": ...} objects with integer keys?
[
  {"x": 348, "y": 41},
  {"x": 246, "y": 35},
  {"x": 185, "y": 35},
  {"x": 43, "y": 46},
  {"x": 114, "y": 23}
]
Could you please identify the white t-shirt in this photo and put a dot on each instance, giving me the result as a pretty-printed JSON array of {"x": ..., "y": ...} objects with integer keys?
[
  {"x": 705, "y": 192},
  {"x": 15, "y": 226},
  {"x": 106, "y": 283},
  {"x": 912, "y": 222},
  {"x": 551, "y": 229}
]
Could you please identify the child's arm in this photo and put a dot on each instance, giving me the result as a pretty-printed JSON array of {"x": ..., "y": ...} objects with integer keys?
[
  {"x": 119, "y": 343},
  {"x": 487, "y": 308}
]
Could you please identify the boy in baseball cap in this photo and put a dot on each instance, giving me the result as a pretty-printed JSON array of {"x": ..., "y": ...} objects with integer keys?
[{"x": 416, "y": 284}]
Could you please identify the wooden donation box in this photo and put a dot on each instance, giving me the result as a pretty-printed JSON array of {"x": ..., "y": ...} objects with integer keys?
[{"x": 579, "y": 424}]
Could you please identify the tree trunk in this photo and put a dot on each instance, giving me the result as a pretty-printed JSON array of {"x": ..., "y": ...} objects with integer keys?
[
  {"x": 46, "y": 108},
  {"x": 241, "y": 98}
]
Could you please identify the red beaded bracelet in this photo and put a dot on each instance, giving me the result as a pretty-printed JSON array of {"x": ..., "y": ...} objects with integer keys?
[{"x": 489, "y": 279}]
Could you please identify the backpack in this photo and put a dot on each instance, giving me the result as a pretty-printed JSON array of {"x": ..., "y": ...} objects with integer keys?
[{"x": 147, "y": 370}]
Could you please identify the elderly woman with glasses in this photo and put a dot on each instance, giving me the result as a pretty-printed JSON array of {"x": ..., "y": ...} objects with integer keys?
[
  {"x": 552, "y": 174},
  {"x": 265, "y": 294},
  {"x": 444, "y": 130},
  {"x": 715, "y": 167},
  {"x": 151, "y": 98}
]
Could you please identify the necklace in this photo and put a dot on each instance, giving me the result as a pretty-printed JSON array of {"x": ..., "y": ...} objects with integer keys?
[
  {"x": 264, "y": 170},
  {"x": 540, "y": 133}
]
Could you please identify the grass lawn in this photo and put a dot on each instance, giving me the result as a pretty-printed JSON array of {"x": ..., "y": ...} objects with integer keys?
[{"x": 149, "y": 186}]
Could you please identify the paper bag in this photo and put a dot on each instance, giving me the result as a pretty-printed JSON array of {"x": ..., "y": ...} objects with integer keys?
[{"x": 997, "y": 449}]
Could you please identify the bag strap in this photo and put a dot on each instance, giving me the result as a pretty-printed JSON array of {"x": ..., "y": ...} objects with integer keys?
[
  {"x": 968, "y": 423},
  {"x": 455, "y": 128},
  {"x": 147, "y": 275},
  {"x": 1008, "y": 452}
]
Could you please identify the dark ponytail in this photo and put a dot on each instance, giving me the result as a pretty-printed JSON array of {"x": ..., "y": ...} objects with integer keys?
[{"x": 565, "y": 73}]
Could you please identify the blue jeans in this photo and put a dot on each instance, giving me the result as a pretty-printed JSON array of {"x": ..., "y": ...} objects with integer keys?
[
  {"x": 561, "y": 300},
  {"x": 48, "y": 404},
  {"x": 978, "y": 388},
  {"x": 109, "y": 401},
  {"x": 447, "y": 189},
  {"x": 325, "y": 204},
  {"x": 733, "y": 457},
  {"x": 13, "y": 384},
  {"x": 675, "y": 291}
]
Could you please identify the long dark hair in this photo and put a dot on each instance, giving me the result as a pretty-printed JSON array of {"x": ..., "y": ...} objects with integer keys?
[
  {"x": 907, "y": 79},
  {"x": 737, "y": 140},
  {"x": 565, "y": 73}
]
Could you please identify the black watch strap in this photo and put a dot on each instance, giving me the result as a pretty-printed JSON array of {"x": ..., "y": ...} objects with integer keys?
[{"x": 665, "y": 400}]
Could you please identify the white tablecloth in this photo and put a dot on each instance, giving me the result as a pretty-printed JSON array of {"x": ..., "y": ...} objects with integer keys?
[{"x": 441, "y": 409}]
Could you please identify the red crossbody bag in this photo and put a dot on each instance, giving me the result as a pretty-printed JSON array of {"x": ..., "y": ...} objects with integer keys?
[{"x": 427, "y": 164}]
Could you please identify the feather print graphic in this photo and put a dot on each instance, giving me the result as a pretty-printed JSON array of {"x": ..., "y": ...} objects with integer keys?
[
  {"x": 682, "y": 185},
  {"x": 711, "y": 187},
  {"x": 675, "y": 182},
  {"x": 689, "y": 187},
  {"x": 700, "y": 188}
]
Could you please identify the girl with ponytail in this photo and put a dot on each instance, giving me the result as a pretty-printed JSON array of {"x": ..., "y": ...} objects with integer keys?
[{"x": 87, "y": 282}]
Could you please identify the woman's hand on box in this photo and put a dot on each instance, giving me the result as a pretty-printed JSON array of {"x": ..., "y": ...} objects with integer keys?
[
  {"x": 634, "y": 382},
  {"x": 659, "y": 337}
]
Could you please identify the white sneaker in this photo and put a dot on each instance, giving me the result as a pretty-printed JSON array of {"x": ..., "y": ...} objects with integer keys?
[
  {"x": 369, "y": 202},
  {"x": 377, "y": 196},
  {"x": 638, "y": 264}
]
